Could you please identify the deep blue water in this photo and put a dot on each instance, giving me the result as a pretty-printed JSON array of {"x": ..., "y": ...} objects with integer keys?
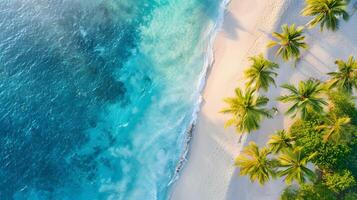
[{"x": 96, "y": 95}]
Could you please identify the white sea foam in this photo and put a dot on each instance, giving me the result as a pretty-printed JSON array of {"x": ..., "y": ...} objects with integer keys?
[{"x": 208, "y": 63}]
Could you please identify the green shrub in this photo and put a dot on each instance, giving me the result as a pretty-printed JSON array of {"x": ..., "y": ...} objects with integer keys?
[
  {"x": 350, "y": 196},
  {"x": 328, "y": 155},
  {"x": 339, "y": 181},
  {"x": 343, "y": 105},
  {"x": 308, "y": 192}
]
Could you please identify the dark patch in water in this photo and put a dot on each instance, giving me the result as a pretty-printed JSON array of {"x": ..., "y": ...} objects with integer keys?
[{"x": 57, "y": 65}]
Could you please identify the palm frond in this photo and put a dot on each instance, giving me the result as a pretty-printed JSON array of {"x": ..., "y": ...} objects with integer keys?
[
  {"x": 289, "y": 41},
  {"x": 247, "y": 110},
  {"x": 326, "y": 12},
  {"x": 304, "y": 99},
  {"x": 255, "y": 163},
  {"x": 292, "y": 163},
  {"x": 345, "y": 78}
]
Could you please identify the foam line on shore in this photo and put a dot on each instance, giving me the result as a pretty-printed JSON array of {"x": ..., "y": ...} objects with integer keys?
[{"x": 208, "y": 63}]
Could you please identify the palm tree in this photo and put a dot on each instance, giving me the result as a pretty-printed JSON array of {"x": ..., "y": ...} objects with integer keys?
[
  {"x": 335, "y": 128},
  {"x": 305, "y": 98},
  {"x": 290, "y": 41},
  {"x": 280, "y": 141},
  {"x": 346, "y": 77},
  {"x": 261, "y": 73},
  {"x": 247, "y": 110},
  {"x": 292, "y": 165},
  {"x": 255, "y": 163},
  {"x": 326, "y": 12}
]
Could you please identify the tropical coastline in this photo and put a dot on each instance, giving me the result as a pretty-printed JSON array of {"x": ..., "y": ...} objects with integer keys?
[
  {"x": 178, "y": 99},
  {"x": 210, "y": 172},
  {"x": 208, "y": 62}
]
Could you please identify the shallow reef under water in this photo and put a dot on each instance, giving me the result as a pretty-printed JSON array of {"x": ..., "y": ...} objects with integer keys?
[{"x": 96, "y": 95}]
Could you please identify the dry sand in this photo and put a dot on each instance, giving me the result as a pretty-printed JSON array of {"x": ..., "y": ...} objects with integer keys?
[{"x": 209, "y": 173}]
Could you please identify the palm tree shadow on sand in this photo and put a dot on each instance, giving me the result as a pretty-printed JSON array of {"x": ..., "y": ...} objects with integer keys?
[{"x": 231, "y": 26}]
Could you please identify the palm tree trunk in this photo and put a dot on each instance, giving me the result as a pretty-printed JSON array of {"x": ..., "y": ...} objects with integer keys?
[
  {"x": 296, "y": 61},
  {"x": 240, "y": 138},
  {"x": 320, "y": 173}
]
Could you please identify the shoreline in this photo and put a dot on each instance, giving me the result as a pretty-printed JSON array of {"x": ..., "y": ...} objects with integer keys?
[
  {"x": 209, "y": 172},
  {"x": 185, "y": 159},
  {"x": 209, "y": 60}
]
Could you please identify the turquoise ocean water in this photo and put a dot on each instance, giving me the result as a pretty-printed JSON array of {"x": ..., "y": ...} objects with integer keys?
[{"x": 97, "y": 96}]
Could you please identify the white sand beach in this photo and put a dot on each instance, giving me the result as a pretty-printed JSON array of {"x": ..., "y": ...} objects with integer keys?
[{"x": 209, "y": 173}]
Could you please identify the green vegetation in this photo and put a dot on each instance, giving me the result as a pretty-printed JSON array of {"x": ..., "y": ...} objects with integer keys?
[
  {"x": 261, "y": 73},
  {"x": 333, "y": 169},
  {"x": 350, "y": 196},
  {"x": 281, "y": 140},
  {"x": 326, "y": 12},
  {"x": 247, "y": 110},
  {"x": 327, "y": 154},
  {"x": 289, "y": 41},
  {"x": 346, "y": 77},
  {"x": 318, "y": 151},
  {"x": 305, "y": 98},
  {"x": 339, "y": 181},
  {"x": 294, "y": 166},
  {"x": 343, "y": 105},
  {"x": 335, "y": 128},
  {"x": 308, "y": 192},
  {"x": 255, "y": 163}
]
